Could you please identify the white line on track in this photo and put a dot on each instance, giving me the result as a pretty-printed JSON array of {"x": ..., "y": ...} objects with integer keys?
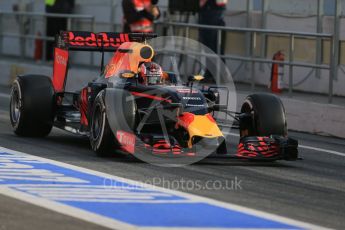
[
  {"x": 323, "y": 150},
  {"x": 65, "y": 209},
  {"x": 306, "y": 147}
]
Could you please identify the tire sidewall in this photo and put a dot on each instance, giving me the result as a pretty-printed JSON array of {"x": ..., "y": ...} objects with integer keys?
[
  {"x": 16, "y": 88},
  {"x": 99, "y": 104},
  {"x": 36, "y": 105},
  {"x": 268, "y": 113}
]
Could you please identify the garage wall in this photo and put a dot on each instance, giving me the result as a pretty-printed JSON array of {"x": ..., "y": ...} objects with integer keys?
[{"x": 296, "y": 15}]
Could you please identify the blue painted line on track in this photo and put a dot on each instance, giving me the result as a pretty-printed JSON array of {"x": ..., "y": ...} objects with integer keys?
[
  {"x": 124, "y": 202},
  {"x": 196, "y": 215}
]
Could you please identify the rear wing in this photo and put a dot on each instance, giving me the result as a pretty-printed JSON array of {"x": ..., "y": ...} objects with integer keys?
[
  {"x": 102, "y": 42},
  {"x": 87, "y": 41}
]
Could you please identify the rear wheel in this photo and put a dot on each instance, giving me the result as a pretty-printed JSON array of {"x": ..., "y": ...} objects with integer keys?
[
  {"x": 267, "y": 116},
  {"x": 32, "y": 106}
]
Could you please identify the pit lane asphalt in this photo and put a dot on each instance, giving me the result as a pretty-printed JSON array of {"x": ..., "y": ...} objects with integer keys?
[{"x": 311, "y": 190}]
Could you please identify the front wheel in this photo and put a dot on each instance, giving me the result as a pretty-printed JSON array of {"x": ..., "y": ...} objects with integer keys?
[
  {"x": 102, "y": 139},
  {"x": 267, "y": 116}
]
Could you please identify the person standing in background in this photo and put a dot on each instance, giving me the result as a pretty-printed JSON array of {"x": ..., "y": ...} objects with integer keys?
[
  {"x": 139, "y": 15},
  {"x": 211, "y": 13},
  {"x": 55, "y": 25}
]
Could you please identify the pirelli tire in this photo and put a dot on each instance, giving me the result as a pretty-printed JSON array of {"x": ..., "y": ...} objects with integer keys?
[
  {"x": 121, "y": 109},
  {"x": 32, "y": 106},
  {"x": 267, "y": 116},
  {"x": 102, "y": 139},
  {"x": 110, "y": 107}
]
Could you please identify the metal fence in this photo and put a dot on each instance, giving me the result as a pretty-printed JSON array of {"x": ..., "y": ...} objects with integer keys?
[
  {"x": 23, "y": 36},
  {"x": 251, "y": 42}
]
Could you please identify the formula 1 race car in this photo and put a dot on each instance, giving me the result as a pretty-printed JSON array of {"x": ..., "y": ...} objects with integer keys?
[{"x": 135, "y": 106}]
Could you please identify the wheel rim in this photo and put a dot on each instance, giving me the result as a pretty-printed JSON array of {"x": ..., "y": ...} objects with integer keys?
[
  {"x": 15, "y": 106},
  {"x": 247, "y": 107}
]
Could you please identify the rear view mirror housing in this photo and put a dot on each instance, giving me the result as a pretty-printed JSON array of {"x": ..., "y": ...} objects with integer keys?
[
  {"x": 194, "y": 78},
  {"x": 127, "y": 74}
]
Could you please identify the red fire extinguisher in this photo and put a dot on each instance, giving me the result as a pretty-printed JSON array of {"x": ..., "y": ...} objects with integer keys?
[
  {"x": 277, "y": 73},
  {"x": 38, "y": 47}
]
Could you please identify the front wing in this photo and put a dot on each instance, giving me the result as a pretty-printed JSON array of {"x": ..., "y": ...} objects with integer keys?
[
  {"x": 269, "y": 148},
  {"x": 256, "y": 148}
]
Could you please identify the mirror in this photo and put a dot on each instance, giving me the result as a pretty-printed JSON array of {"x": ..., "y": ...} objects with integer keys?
[
  {"x": 127, "y": 74},
  {"x": 196, "y": 78}
]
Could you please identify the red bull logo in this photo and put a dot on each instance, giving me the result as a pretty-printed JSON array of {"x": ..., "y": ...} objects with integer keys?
[{"x": 97, "y": 40}]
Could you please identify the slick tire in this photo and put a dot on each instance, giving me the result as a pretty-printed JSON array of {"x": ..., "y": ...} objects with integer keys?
[
  {"x": 122, "y": 110},
  {"x": 32, "y": 106},
  {"x": 118, "y": 108},
  {"x": 102, "y": 139},
  {"x": 267, "y": 116}
]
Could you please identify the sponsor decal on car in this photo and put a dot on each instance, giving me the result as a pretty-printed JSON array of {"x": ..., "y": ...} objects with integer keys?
[
  {"x": 60, "y": 69},
  {"x": 94, "y": 40},
  {"x": 192, "y": 98},
  {"x": 194, "y": 105},
  {"x": 186, "y": 90},
  {"x": 61, "y": 59},
  {"x": 127, "y": 141}
]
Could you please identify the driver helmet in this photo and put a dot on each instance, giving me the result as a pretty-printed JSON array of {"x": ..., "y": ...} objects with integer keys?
[{"x": 150, "y": 73}]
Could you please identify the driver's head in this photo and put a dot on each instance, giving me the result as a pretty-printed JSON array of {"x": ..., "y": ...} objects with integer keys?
[{"x": 150, "y": 73}]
